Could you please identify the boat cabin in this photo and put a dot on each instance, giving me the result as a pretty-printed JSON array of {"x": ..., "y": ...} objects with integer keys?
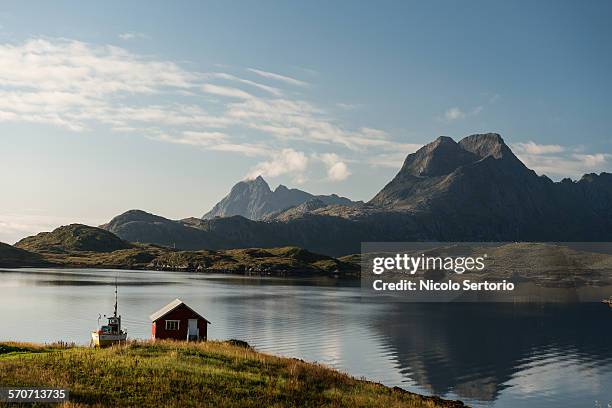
[
  {"x": 178, "y": 321},
  {"x": 113, "y": 326},
  {"x": 111, "y": 333}
]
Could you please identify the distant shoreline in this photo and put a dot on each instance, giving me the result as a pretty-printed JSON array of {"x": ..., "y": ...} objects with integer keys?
[{"x": 293, "y": 274}]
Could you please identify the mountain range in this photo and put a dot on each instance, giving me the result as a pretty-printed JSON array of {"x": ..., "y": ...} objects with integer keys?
[
  {"x": 255, "y": 200},
  {"x": 472, "y": 190}
]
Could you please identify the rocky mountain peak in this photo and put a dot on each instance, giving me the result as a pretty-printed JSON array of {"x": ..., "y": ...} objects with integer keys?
[
  {"x": 256, "y": 184},
  {"x": 492, "y": 145},
  {"x": 260, "y": 180},
  {"x": 253, "y": 199},
  {"x": 437, "y": 158},
  {"x": 443, "y": 140},
  {"x": 444, "y": 165},
  {"x": 474, "y": 190},
  {"x": 486, "y": 144},
  {"x": 281, "y": 188},
  {"x": 594, "y": 177}
]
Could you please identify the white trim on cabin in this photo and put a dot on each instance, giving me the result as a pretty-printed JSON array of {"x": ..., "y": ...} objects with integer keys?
[
  {"x": 170, "y": 307},
  {"x": 170, "y": 327},
  {"x": 166, "y": 309}
]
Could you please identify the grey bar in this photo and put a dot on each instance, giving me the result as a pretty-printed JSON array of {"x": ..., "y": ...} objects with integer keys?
[
  {"x": 43, "y": 395},
  {"x": 516, "y": 272}
]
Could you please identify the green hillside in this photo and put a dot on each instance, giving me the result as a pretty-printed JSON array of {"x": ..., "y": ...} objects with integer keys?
[
  {"x": 178, "y": 374},
  {"x": 78, "y": 245},
  {"x": 73, "y": 237}
]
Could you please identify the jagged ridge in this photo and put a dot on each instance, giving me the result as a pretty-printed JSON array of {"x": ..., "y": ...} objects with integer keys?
[
  {"x": 474, "y": 190},
  {"x": 255, "y": 200}
]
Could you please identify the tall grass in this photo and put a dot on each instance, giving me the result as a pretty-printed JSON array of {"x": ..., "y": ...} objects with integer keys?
[{"x": 180, "y": 374}]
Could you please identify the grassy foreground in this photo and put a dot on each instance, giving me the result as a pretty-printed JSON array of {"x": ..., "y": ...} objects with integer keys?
[{"x": 192, "y": 374}]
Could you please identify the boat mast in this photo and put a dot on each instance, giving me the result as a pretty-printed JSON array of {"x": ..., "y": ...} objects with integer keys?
[{"x": 115, "y": 296}]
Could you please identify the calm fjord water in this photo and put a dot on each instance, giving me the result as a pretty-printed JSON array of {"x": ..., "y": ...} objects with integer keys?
[{"x": 498, "y": 355}]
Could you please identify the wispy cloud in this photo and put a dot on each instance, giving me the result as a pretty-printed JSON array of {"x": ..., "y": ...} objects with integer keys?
[
  {"x": 215, "y": 141},
  {"x": 394, "y": 159},
  {"x": 456, "y": 113},
  {"x": 80, "y": 86},
  {"x": 226, "y": 91},
  {"x": 196, "y": 138},
  {"x": 133, "y": 35},
  {"x": 278, "y": 77},
  {"x": 337, "y": 169},
  {"x": 574, "y": 165},
  {"x": 348, "y": 106},
  {"x": 270, "y": 89},
  {"x": 287, "y": 161},
  {"x": 531, "y": 147},
  {"x": 69, "y": 83},
  {"x": 559, "y": 161}
]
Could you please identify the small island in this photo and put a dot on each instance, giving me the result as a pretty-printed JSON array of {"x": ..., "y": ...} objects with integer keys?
[{"x": 82, "y": 246}]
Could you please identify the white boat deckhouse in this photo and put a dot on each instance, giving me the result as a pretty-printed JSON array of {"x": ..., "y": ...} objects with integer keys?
[{"x": 111, "y": 333}]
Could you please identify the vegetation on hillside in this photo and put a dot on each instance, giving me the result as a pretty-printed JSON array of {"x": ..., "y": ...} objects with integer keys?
[
  {"x": 73, "y": 237},
  {"x": 180, "y": 374},
  {"x": 278, "y": 261},
  {"x": 82, "y": 246}
]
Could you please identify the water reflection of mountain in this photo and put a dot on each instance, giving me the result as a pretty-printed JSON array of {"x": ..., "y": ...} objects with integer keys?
[{"x": 472, "y": 350}]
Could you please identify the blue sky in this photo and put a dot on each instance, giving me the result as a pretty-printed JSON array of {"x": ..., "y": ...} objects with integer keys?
[{"x": 164, "y": 106}]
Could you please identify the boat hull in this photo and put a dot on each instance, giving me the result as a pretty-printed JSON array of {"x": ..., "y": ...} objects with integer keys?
[{"x": 105, "y": 340}]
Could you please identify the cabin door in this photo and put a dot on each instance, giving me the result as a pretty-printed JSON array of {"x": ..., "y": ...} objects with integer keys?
[{"x": 192, "y": 330}]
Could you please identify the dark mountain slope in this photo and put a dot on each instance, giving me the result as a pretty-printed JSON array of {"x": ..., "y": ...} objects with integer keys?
[
  {"x": 297, "y": 211},
  {"x": 140, "y": 226},
  {"x": 16, "y": 257},
  {"x": 491, "y": 195}
]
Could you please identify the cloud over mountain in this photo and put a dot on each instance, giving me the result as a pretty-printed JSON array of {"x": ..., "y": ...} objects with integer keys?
[{"x": 81, "y": 86}]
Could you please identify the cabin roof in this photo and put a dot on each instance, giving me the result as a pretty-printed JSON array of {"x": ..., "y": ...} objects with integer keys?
[{"x": 170, "y": 307}]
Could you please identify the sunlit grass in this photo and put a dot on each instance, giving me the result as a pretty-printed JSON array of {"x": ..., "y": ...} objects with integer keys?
[{"x": 191, "y": 374}]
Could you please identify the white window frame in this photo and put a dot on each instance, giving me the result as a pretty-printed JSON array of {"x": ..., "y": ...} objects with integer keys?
[{"x": 178, "y": 325}]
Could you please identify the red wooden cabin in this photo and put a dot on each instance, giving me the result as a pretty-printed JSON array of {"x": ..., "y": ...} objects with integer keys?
[{"x": 178, "y": 321}]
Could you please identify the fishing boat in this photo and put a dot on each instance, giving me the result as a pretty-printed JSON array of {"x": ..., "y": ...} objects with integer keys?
[
  {"x": 111, "y": 333},
  {"x": 608, "y": 301}
]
